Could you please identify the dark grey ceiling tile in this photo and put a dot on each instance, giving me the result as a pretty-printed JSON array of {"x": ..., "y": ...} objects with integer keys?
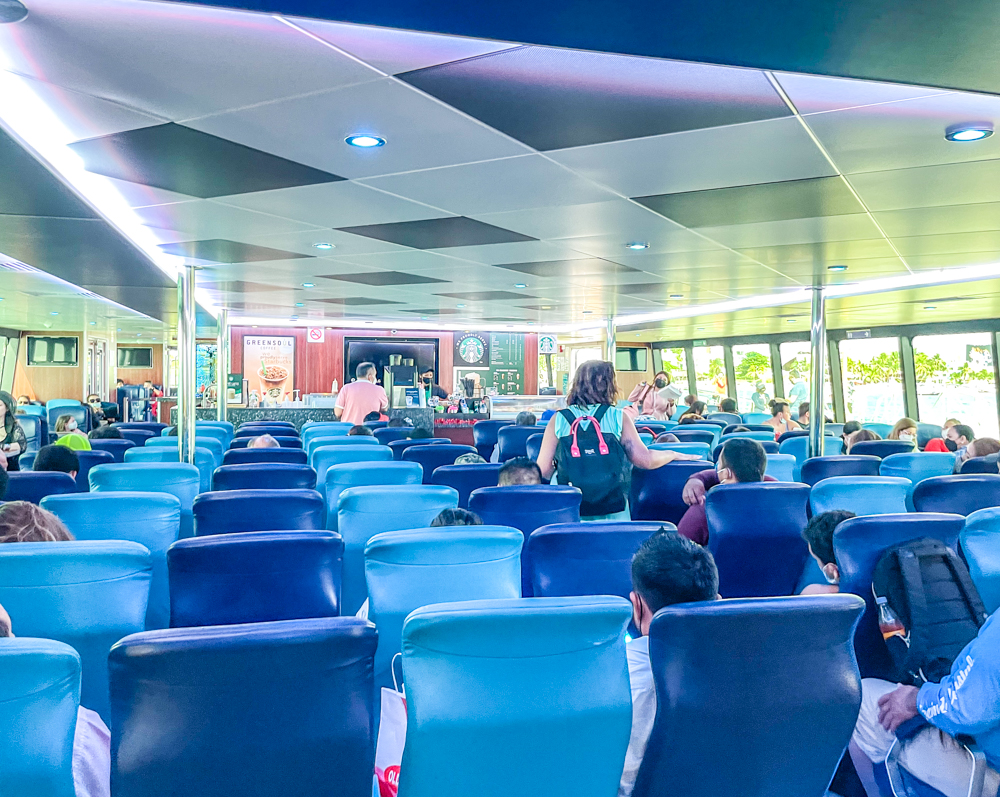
[
  {"x": 439, "y": 233},
  {"x": 586, "y": 266},
  {"x": 445, "y": 311},
  {"x": 188, "y": 161},
  {"x": 383, "y": 278},
  {"x": 220, "y": 250},
  {"x": 651, "y": 288},
  {"x": 356, "y": 301},
  {"x": 29, "y": 189},
  {"x": 552, "y": 306},
  {"x": 552, "y": 99},
  {"x": 239, "y": 286},
  {"x": 746, "y": 204},
  {"x": 486, "y": 296}
]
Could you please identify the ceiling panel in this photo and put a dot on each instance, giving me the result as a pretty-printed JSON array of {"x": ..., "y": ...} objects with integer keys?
[
  {"x": 815, "y": 93},
  {"x": 439, "y": 233},
  {"x": 385, "y": 278},
  {"x": 221, "y": 251},
  {"x": 940, "y": 220},
  {"x": 957, "y": 244},
  {"x": 856, "y": 226},
  {"x": 930, "y": 186},
  {"x": 206, "y": 218}
]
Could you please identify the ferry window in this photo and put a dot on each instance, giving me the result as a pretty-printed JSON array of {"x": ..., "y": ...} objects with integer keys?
[
  {"x": 955, "y": 380},
  {"x": 674, "y": 362},
  {"x": 873, "y": 380},
  {"x": 796, "y": 367},
  {"x": 754, "y": 378},
  {"x": 710, "y": 371}
]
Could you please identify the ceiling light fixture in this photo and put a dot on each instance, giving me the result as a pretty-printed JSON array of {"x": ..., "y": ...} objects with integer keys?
[
  {"x": 588, "y": 312},
  {"x": 294, "y": 318},
  {"x": 93, "y": 323},
  {"x": 637, "y": 245},
  {"x": 930, "y": 307},
  {"x": 300, "y": 304},
  {"x": 459, "y": 306},
  {"x": 677, "y": 296},
  {"x": 53, "y": 313},
  {"x": 969, "y": 131},
  {"x": 836, "y": 268},
  {"x": 365, "y": 141},
  {"x": 790, "y": 320},
  {"x": 324, "y": 245},
  {"x": 520, "y": 285},
  {"x": 12, "y": 11},
  {"x": 308, "y": 285},
  {"x": 546, "y": 307}
]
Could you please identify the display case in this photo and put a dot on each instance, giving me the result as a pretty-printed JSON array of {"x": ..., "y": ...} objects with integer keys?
[{"x": 504, "y": 408}]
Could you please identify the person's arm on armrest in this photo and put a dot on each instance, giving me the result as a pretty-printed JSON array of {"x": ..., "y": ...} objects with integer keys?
[
  {"x": 697, "y": 485},
  {"x": 642, "y": 457}
]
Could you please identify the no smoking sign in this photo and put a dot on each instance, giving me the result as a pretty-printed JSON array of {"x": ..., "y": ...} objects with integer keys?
[{"x": 316, "y": 334}]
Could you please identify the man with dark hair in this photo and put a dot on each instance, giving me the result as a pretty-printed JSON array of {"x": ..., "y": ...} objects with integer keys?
[
  {"x": 519, "y": 471},
  {"x": 849, "y": 428},
  {"x": 356, "y": 400},
  {"x": 525, "y": 418},
  {"x": 957, "y": 439},
  {"x": 727, "y": 405},
  {"x": 395, "y": 423},
  {"x": 419, "y": 433},
  {"x": 59, "y": 459},
  {"x": 456, "y": 517},
  {"x": 432, "y": 389},
  {"x": 105, "y": 433},
  {"x": 741, "y": 461},
  {"x": 360, "y": 430},
  {"x": 818, "y": 534},
  {"x": 667, "y": 569},
  {"x": 804, "y": 414}
]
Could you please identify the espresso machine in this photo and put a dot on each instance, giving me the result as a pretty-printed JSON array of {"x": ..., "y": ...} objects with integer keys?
[{"x": 401, "y": 378}]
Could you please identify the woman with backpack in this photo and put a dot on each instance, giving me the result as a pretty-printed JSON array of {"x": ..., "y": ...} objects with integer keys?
[{"x": 591, "y": 443}]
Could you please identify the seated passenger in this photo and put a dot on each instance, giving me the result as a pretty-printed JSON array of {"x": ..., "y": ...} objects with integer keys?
[
  {"x": 23, "y": 401},
  {"x": 965, "y": 703},
  {"x": 56, "y": 458},
  {"x": 860, "y": 436},
  {"x": 519, "y": 471},
  {"x": 667, "y": 437},
  {"x": 395, "y": 423},
  {"x": 22, "y": 521},
  {"x": 456, "y": 517},
  {"x": 105, "y": 433},
  {"x": 905, "y": 430},
  {"x": 91, "y": 742},
  {"x": 694, "y": 413},
  {"x": 70, "y": 434},
  {"x": 667, "y": 569},
  {"x": 940, "y": 444},
  {"x": 849, "y": 428},
  {"x": 980, "y": 447},
  {"x": 525, "y": 418},
  {"x": 781, "y": 418},
  {"x": 741, "y": 461},
  {"x": 727, "y": 405},
  {"x": 470, "y": 459},
  {"x": 690, "y": 399},
  {"x": 803, "y": 414},
  {"x": 263, "y": 441},
  {"x": 957, "y": 439},
  {"x": 818, "y": 534},
  {"x": 360, "y": 430}
]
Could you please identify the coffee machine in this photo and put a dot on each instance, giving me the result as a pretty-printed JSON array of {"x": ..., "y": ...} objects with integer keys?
[{"x": 401, "y": 378}]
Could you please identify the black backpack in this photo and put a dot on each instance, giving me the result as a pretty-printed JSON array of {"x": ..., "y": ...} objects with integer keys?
[
  {"x": 930, "y": 591},
  {"x": 594, "y": 462}
]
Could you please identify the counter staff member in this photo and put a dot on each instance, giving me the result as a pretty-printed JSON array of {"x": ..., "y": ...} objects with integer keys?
[{"x": 433, "y": 390}]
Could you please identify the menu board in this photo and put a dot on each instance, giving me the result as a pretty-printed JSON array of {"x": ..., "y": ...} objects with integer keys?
[
  {"x": 269, "y": 365},
  {"x": 506, "y": 352}
]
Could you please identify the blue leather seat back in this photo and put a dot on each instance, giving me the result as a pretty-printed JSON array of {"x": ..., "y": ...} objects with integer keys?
[
  {"x": 728, "y": 417},
  {"x": 207, "y": 432},
  {"x": 769, "y": 446},
  {"x": 781, "y": 467},
  {"x": 755, "y": 535},
  {"x": 116, "y": 448},
  {"x": 798, "y": 447},
  {"x": 255, "y": 577},
  {"x": 533, "y": 446},
  {"x": 858, "y": 543},
  {"x": 981, "y": 547},
  {"x": 256, "y": 430},
  {"x": 552, "y": 692},
  {"x": 862, "y": 495},
  {"x": 513, "y": 440},
  {"x": 466, "y": 478},
  {"x": 176, "y": 478},
  {"x": 326, "y": 457},
  {"x": 204, "y": 460},
  {"x": 257, "y": 424},
  {"x": 916, "y": 467},
  {"x": 88, "y": 460},
  {"x": 405, "y": 570},
  {"x": 654, "y": 427},
  {"x": 270, "y": 476},
  {"x": 399, "y": 446},
  {"x": 363, "y": 512},
  {"x": 833, "y": 429},
  {"x": 138, "y": 436},
  {"x": 756, "y": 417},
  {"x": 323, "y": 430},
  {"x": 980, "y": 465},
  {"x": 434, "y": 456},
  {"x": 656, "y": 494},
  {"x": 39, "y": 697},
  {"x": 805, "y": 687},
  {"x": 688, "y": 435},
  {"x": 750, "y": 427},
  {"x": 387, "y": 435},
  {"x": 84, "y": 593},
  {"x": 882, "y": 448},
  {"x": 340, "y": 440},
  {"x": 283, "y": 442},
  {"x": 927, "y": 432},
  {"x": 32, "y": 428},
  {"x": 244, "y": 456},
  {"x": 816, "y": 469},
  {"x": 703, "y": 450},
  {"x": 567, "y": 559},
  {"x": 759, "y": 436},
  {"x": 79, "y": 412},
  {"x": 34, "y": 410},
  {"x": 962, "y": 494},
  {"x": 26, "y": 485},
  {"x": 365, "y": 474},
  {"x": 792, "y": 433},
  {"x": 150, "y": 426},
  {"x": 883, "y": 430},
  {"x": 149, "y": 519},
  {"x": 201, "y": 441},
  {"x": 485, "y": 435},
  {"x": 236, "y": 511},
  {"x": 290, "y": 710},
  {"x": 373, "y": 425}
]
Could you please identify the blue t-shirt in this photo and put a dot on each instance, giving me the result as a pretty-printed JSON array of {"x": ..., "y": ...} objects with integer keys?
[{"x": 611, "y": 423}]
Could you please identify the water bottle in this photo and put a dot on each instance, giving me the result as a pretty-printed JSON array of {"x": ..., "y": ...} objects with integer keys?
[{"x": 888, "y": 623}]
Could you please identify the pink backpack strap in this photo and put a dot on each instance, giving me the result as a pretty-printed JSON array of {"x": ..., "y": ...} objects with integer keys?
[{"x": 575, "y": 448}]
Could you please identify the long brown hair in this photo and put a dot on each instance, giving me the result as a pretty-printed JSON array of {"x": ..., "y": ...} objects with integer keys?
[
  {"x": 21, "y": 521},
  {"x": 593, "y": 383}
]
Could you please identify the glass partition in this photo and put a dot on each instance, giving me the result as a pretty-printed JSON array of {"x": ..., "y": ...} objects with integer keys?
[
  {"x": 796, "y": 366},
  {"x": 710, "y": 371},
  {"x": 873, "y": 380},
  {"x": 754, "y": 378},
  {"x": 955, "y": 380}
]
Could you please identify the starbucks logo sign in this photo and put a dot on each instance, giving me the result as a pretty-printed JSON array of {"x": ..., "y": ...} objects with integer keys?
[{"x": 471, "y": 349}]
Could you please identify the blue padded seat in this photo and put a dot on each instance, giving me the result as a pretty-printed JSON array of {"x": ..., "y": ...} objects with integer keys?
[
  {"x": 962, "y": 494},
  {"x": 980, "y": 465},
  {"x": 755, "y": 535},
  {"x": 927, "y": 432},
  {"x": 405, "y": 570},
  {"x": 485, "y": 435},
  {"x": 466, "y": 478},
  {"x": 83, "y": 593},
  {"x": 204, "y": 460},
  {"x": 324, "y": 441},
  {"x": 790, "y": 434},
  {"x": 217, "y": 430},
  {"x": 39, "y": 697},
  {"x": 551, "y": 689},
  {"x": 235, "y": 511},
  {"x": 816, "y": 469},
  {"x": 34, "y": 410},
  {"x": 150, "y": 426},
  {"x": 857, "y": 544},
  {"x": 758, "y": 436},
  {"x": 149, "y": 519},
  {"x": 116, "y": 448},
  {"x": 363, "y": 512},
  {"x": 769, "y": 446},
  {"x": 756, "y": 417},
  {"x": 399, "y": 446},
  {"x": 244, "y": 456},
  {"x": 656, "y": 494},
  {"x": 26, "y": 485},
  {"x": 327, "y": 424},
  {"x": 700, "y": 745},
  {"x": 255, "y": 424},
  {"x": 176, "y": 478},
  {"x": 32, "y": 428},
  {"x": 883, "y": 430},
  {"x": 686, "y": 435},
  {"x": 80, "y": 413},
  {"x": 387, "y": 435},
  {"x": 798, "y": 447},
  {"x": 703, "y": 450},
  {"x": 750, "y": 427},
  {"x": 882, "y": 448},
  {"x": 781, "y": 467},
  {"x": 210, "y": 443},
  {"x": 256, "y": 430},
  {"x": 434, "y": 456},
  {"x": 916, "y": 467},
  {"x": 88, "y": 460},
  {"x": 326, "y": 457},
  {"x": 862, "y": 495},
  {"x": 257, "y": 709},
  {"x": 282, "y": 441},
  {"x": 981, "y": 547},
  {"x": 513, "y": 440},
  {"x": 731, "y": 418},
  {"x": 373, "y": 425},
  {"x": 533, "y": 446},
  {"x": 365, "y": 474},
  {"x": 138, "y": 436},
  {"x": 255, "y": 577},
  {"x": 269, "y": 476},
  {"x": 324, "y": 430}
]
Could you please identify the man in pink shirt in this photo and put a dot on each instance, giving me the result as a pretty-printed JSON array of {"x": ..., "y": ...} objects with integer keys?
[{"x": 359, "y": 398}]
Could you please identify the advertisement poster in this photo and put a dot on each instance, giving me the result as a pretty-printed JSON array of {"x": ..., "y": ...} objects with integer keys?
[{"x": 269, "y": 366}]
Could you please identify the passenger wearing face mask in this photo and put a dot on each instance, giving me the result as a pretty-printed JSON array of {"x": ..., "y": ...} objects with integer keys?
[
  {"x": 70, "y": 434},
  {"x": 818, "y": 534},
  {"x": 905, "y": 430},
  {"x": 645, "y": 399},
  {"x": 433, "y": 390},
  {"x": 957, "y": 439}
]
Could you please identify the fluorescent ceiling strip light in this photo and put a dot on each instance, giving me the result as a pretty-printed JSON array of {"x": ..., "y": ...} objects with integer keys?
[{"x": 406, "y": 324}]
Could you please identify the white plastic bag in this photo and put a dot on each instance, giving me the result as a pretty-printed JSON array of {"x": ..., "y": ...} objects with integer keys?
[{"x": 391, "y": 738}]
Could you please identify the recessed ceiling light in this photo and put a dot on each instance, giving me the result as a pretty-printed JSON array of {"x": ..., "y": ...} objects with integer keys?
[
  {"x": 323, "y": 245},
  {"x": 308, "y": 285},
  {"x": 253, "y": 327},
  {"x": 294, "y": 318},
  {"x": 520, "y": 285},
  {"x": 12, "y": 11},
  {"x": 300, "y": 304},
  {"x": 53, "y": 313},
  {"x": 119, "y": 329},
  {"x": 459, "y": 306},
  {"x": 790, "y": 320},
  {"x": 836, "y": 268},
  {"x": 970, "y": 131},
  {"x": 546, "y": 307},
  {"x": 369, "y": 322},
  {"x": 93, "y": 323},
  {"x": 588, "y": 312},
  {"x": 701, "y": 329},
  {"x": 637, "y": 245},
  {"x": 365, "y": 141},
  {"x": 138, "y": 334},
  {"x": 424, "y": 318},
  {"x": 677, "y": 296},
  {"x": 930, "y": 307}
]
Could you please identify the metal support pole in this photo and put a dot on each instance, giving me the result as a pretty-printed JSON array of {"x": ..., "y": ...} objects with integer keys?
[
  {"x": 817, "y": 351},
  {"x": 222, "y": 365},
  {"x": 186, "y": 387},
  {"x": 612, "y": 342}
]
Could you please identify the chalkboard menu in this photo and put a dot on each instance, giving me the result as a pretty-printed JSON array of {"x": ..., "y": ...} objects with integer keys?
[{"x": 507, "y": 362}]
